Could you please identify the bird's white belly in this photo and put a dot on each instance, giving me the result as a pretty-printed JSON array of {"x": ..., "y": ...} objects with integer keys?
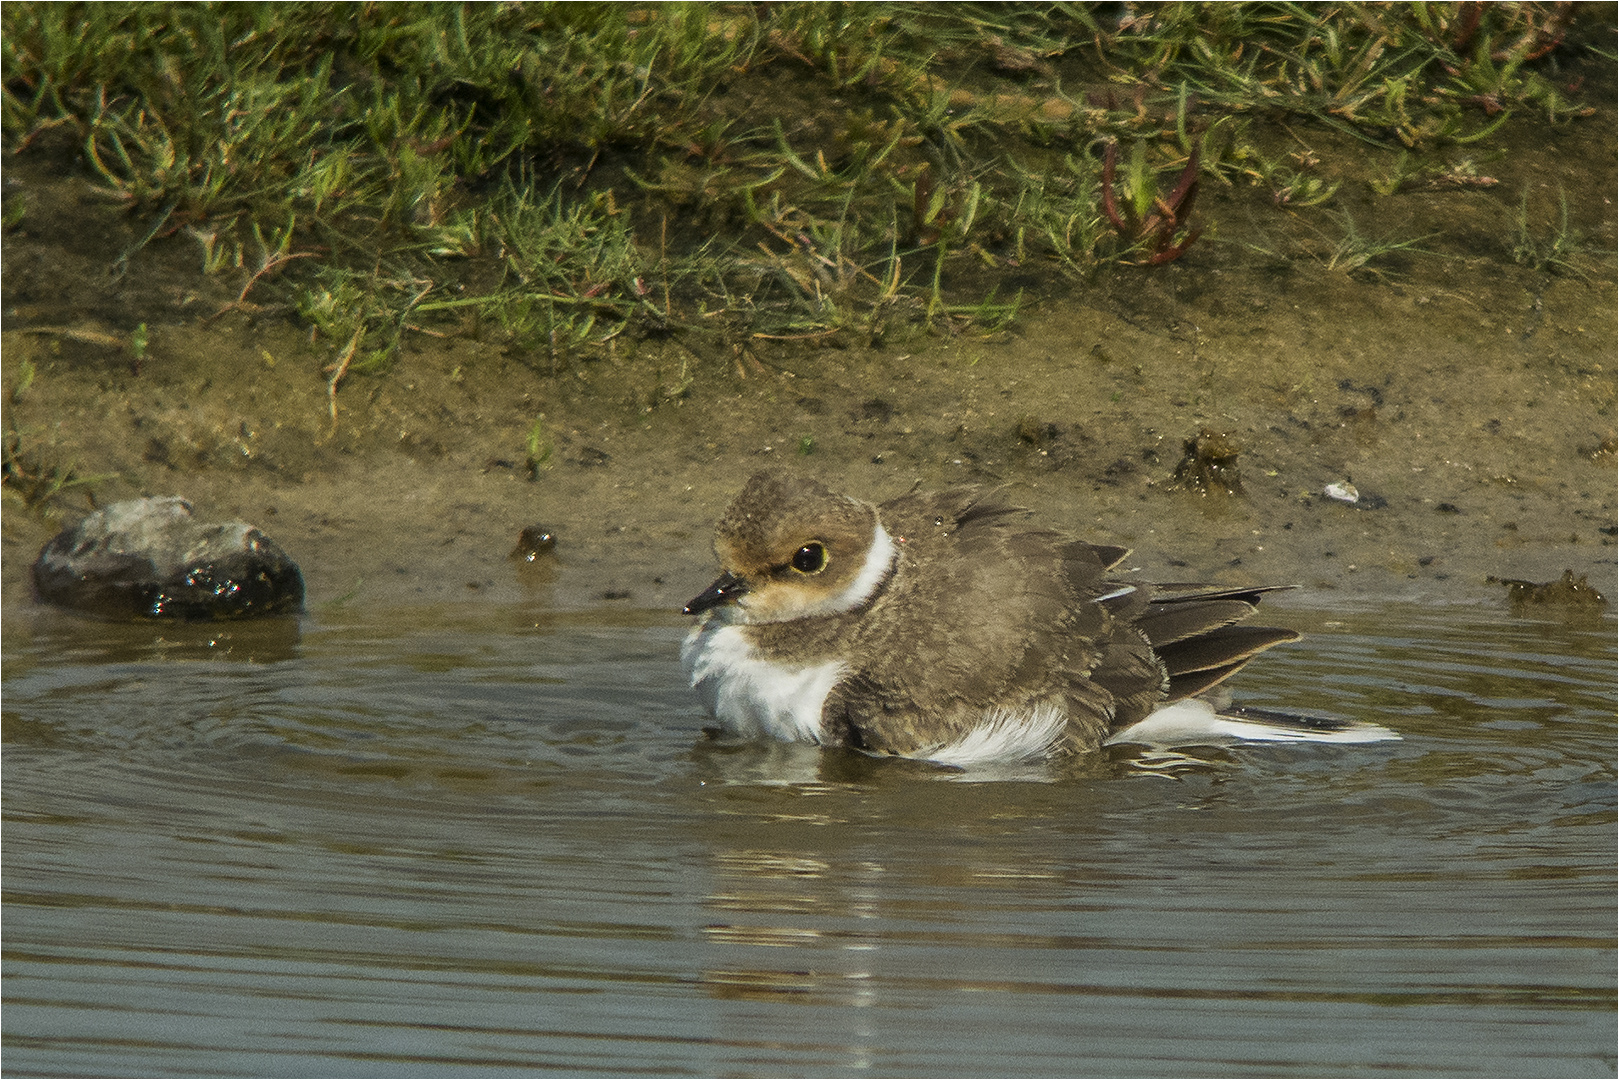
[
  {"x": 753, "y": 696},
  {"x": 1003, "y": 735}
]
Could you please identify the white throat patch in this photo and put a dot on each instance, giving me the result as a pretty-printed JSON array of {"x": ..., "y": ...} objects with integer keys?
[{"x": 752, "y": 696}]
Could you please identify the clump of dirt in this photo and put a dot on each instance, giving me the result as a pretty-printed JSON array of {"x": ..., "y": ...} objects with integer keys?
[
  {"x": 1210, "y": 464},
  {"x": 1567, "y": 593}
]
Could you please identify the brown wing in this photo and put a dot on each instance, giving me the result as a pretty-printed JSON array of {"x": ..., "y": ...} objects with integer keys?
[
  {"x": 1191, "y": 628},
  {"x": 997, "y": 615},
  {"x": 993, "y": 615}
]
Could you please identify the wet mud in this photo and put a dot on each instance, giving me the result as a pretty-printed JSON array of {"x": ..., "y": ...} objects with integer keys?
[{"x": 1467, "y": 402}]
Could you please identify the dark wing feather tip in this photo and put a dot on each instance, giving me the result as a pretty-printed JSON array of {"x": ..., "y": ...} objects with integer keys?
[
  {"x": 1217, "y": 648},
  {"x": 1194, "y": 683},
  {"x": 1302, "y": 721},
  {"x": 1170, "y": 623},
  {"x": 1190, "y": 592}
]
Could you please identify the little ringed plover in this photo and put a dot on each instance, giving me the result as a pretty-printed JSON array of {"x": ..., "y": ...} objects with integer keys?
[{"x": 941, "y": 627}]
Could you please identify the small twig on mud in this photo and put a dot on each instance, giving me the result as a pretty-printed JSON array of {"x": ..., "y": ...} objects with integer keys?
[
  {"x": 340, "y": 369},
  {"x": 741, "y": 352},
  {"x": 120, "y": 266},
  {"x": 270, "y": 264},
  {"x": 89, "y": 337},
  {"x": 799, "y": 337},
  {"x": 663, "y": 264}
]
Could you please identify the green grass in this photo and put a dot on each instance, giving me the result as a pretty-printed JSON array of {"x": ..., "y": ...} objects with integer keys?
[
  {"x": 29, "y": 470},
  {"x": 1355, "y": 250},
  {"x": 559, "y": 173},
  {"x": 1556, "y": 249}
]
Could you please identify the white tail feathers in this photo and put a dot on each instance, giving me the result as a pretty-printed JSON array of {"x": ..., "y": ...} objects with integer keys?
[{"x": 1194, "y": 722}]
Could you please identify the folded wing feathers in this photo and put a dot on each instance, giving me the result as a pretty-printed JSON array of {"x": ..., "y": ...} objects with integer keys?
[
  {"x": 1193, "y": 683},
  {"x": 1198, "y": 663},
  {"x": 1217, "y": 648},
  {"x": 1110, "y": 555},
  {"x": 1189, "y": 625},
  {"x": 1190, "y": 593},
  {"x": 1168, "y": 623}
]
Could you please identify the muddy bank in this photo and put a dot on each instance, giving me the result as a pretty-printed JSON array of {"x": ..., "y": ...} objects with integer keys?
[
  {"x": 1476, "y": 427},
  {"x": 1470, "y": 402}
]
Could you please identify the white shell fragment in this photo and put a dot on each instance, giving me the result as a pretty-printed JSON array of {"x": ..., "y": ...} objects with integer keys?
[{"x": 1343, "y": 492}]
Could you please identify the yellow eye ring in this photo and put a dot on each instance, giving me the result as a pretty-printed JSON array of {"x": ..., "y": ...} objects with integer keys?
[{"x": 811, "y": 558}]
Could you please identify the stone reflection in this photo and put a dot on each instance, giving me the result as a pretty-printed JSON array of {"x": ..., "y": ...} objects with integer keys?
[{"x": 259, "y": 641}]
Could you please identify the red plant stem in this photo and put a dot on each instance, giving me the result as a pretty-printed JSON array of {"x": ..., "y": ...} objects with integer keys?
[
  {"x": 1467, "y": 19},
  {"x": 923, "y": 196},
  {"x": 1110, "y": 205},
  {"x": 1170, "y": 254},
  {"x": 1186, "y": 189},
  {"x": 1178, "y": 207}
]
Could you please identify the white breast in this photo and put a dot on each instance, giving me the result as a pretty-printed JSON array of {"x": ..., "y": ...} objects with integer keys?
[{"x": 753, "y": 696}]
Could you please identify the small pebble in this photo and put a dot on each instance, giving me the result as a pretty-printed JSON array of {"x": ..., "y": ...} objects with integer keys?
[{"x": 533, "y": 542}]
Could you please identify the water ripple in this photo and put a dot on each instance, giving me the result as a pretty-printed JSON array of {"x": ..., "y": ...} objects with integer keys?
[{"x": 432, "y": 842}]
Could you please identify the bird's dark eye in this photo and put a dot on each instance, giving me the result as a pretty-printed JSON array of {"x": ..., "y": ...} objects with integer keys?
[{"x": 811, "y": 558}]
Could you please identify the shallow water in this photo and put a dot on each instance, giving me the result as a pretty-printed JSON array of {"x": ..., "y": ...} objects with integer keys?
[{"x": 493, "y": 840}]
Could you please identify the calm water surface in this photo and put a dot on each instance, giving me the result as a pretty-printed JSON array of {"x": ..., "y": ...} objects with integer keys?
[{"x": 495, "y": 841}]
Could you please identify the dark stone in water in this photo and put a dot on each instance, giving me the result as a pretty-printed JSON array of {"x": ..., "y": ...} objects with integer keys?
[
  {"x": 533, "y": 542},
  {"x": 1210, "y": 464},
  {"x": 1567, "y": 592},
  {"x": 150, "y": 558}
]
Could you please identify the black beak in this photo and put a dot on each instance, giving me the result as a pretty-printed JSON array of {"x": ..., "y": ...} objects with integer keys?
[{"x": 726, "y": 588}]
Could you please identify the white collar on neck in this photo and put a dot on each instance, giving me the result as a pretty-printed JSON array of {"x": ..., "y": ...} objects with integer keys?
[{"x": 878, "y": 562}]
